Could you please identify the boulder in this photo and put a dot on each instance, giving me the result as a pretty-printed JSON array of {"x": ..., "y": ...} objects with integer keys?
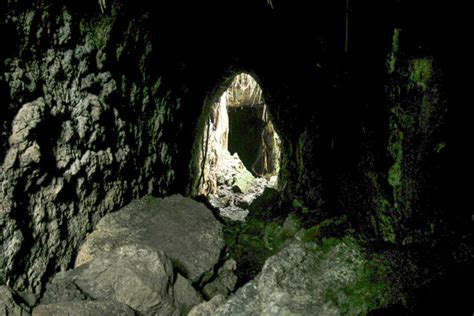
[
  {"x": 135, "y": 275},
  {"x": 184, "y": 229},
  {"x": 65, "y": 291},
  {"x": 186, "y": 296},
  {"x": 208, "y": 308},
  {"x": 309, "y": 279},
  {"x": 9, "y": 303},
  {"x": 84, "y": 308},
  {"x": 243, "y": 181}
]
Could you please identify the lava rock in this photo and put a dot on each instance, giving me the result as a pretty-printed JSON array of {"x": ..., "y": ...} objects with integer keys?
[
  {"x": 84, "y": 308},
  {"x": 184, "y": 229}
]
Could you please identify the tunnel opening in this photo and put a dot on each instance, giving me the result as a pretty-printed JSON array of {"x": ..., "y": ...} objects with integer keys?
[{"x": 240, "y": 148}]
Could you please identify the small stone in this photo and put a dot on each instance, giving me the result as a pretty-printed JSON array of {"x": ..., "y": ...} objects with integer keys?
[{"x": 243, "y": 181}]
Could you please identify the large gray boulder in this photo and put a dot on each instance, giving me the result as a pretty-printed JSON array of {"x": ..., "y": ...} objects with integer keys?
[
  {"x": 84, "y": 308},
  {"x": 307, "y": 279},
  {"x": 184, "y": 229},
  {"x": 9, "y": 303},
  {"x": 135, "y": 275}
]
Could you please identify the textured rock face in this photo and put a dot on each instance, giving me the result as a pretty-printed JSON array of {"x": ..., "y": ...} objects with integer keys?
[
  {"x": 8, "y": 304},
  {"x": 208, "y": 308},
  {"x": 135, "y": 275},
  {"x": 84, "y": 308},
  {"x": 182, "y": 228},
  {"x": 186, "y": 296},
  {"x": 79, "y": 138},
  {"x": 225, "y": 281},
  {"x": 306, "y": 279}
]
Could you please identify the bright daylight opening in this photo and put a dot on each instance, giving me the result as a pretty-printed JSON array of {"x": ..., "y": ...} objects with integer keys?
[{"x": 241, "y": 149}]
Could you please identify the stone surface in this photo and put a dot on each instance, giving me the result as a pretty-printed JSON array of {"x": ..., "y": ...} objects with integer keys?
[
  {"x": 184, "y": 229},
  {"x": 243, "y": 182},
  {"x": 9, "y": 303},
  {"x": 224, "y": 282},
  {"x": 307, "y": 279},
  {"x": 135, "y": 275},
  {"x": 84, "y": 308},
  {"x": 233, "y": 203},
  {"x": 208, "y": 308},
  {"x": 78, "y": 139},
  {"x": 186, "y": 296},
  {"x": 64, "y": 291}
]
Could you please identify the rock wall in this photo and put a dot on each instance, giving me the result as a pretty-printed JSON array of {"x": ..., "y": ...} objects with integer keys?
[
  {"x": 98, "y": 108},
  {"x": 83, "y": 130}
]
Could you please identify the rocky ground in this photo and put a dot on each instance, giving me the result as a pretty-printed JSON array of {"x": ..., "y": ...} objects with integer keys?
[
  {"x": 237, "y": 188},
  {"x": 171, "y": 256}
]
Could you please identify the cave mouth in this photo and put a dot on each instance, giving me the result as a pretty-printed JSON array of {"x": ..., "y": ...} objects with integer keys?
[{"x": 242, "y": 149}]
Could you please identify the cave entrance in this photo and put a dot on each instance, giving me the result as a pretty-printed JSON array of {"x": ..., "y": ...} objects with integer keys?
[{"x": 241, "y": 149}]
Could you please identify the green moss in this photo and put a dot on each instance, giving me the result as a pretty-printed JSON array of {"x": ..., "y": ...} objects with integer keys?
[
  {"x": 370, "y": 290},
  {"x": 396, "y": 151},
  {"x": 385, "y": 225},
  {"x": 392, "y": 59},
  {"x": 298, "y": 205},
  {"x": 328, "y": 227},
  {"x": 96, "y": 33},
  {"x": 421, "y": 70},
  {"x": 252, "y": 242},
  {"x": 439, "y": 147}
]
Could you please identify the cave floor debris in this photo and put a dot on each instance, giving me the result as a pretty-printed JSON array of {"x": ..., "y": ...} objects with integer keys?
[{"x": 237, "y": 188}]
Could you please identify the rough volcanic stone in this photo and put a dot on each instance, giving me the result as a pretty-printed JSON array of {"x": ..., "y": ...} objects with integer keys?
[
  {"x": 84, "y": 308},
  {"x": 184, "y": 229}
]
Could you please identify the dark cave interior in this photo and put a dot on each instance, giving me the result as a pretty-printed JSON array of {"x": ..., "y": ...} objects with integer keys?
[{"x": 105, "y": 102}]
